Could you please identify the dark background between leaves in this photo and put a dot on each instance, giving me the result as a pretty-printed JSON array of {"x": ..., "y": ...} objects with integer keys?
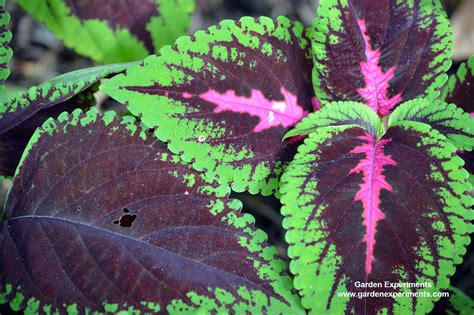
[{"x": 39, "y": 56}]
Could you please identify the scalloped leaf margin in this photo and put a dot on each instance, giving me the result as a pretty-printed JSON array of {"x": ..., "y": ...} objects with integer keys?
[
  {"x": 342, "y": 231},
  {"x": 5, "y": 50},
  {"x": 450, "y": 120},
  {"x": 460, "y": 87}
]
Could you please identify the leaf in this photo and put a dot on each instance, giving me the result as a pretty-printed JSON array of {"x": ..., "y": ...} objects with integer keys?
[
  {"x": 120, "y": 224},
  {"x": 448, "y": 119},
  {"x": 111, "y": 31},
  {"x": 382, "y": 59},
  {"x": 21, "y": 115},
  {"x": 457, "y": 303},
  {"x": 338, "y": 114},
  {"x": 468, "y": 157},
  {"x": 363, "y": 210},
  {"x": 460, "y": 87},
  {"x": 460, "y": 90},
  {"x": 10, "y": 91},
  {"x": 5, "y": 51},
  {"x": 225, "y": 97}
]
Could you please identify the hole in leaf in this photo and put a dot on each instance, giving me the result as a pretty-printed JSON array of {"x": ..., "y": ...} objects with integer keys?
[{"x": 126, "y": 220}]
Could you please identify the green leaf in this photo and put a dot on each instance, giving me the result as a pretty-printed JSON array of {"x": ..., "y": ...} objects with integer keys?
[
  {"x": 457, "y": 303},
  {"x": 339, "y": 114},
  {"x": 5, "y": 51},
  {"x": 11, "y": 91},
  {"x": 364, "y": 210},
  {"x": 224, "y": 98},
  {"x": 448, "y": 119},
  {"x": 111, "y": 31}
]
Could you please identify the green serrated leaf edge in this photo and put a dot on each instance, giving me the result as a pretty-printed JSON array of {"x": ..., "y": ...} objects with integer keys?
[
  {"x": 457, "y": 79},
  {"x": 5, "y": 51},
  {"x": 295, "y": 209},
  {"x": 436, "y": 112},
  {"x": 462, "y": 304},
  {"x": 70, "y": 84}
]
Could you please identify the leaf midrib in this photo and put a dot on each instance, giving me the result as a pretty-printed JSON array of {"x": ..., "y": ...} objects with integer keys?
[{"x": 169, "y": 252}]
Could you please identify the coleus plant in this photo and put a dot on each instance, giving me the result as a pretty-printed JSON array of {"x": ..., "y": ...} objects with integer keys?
[
  {"x": 350, "y": 122},
  {"x": 107, "y": 32},
  {"x": 111, "y": 31}
]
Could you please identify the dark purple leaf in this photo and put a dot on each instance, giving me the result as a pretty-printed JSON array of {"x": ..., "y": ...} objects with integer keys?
[
  {"x": 13, "y": 141},
  {"x": 460, "y": 87},
  {"x": 460, "y": 91},
  {"x": 21, "y": 115},
  {"x": 363, "y": 209},
  {"x": 380, "y": 52},
  {"x": 101, "y": 217}
]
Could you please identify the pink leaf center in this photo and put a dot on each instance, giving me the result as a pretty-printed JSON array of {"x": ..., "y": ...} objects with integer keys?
[
  {"x": 376, "y": 87},
  {"x": 371, "y": 167},
  {"x": 284, "y": 113}
]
